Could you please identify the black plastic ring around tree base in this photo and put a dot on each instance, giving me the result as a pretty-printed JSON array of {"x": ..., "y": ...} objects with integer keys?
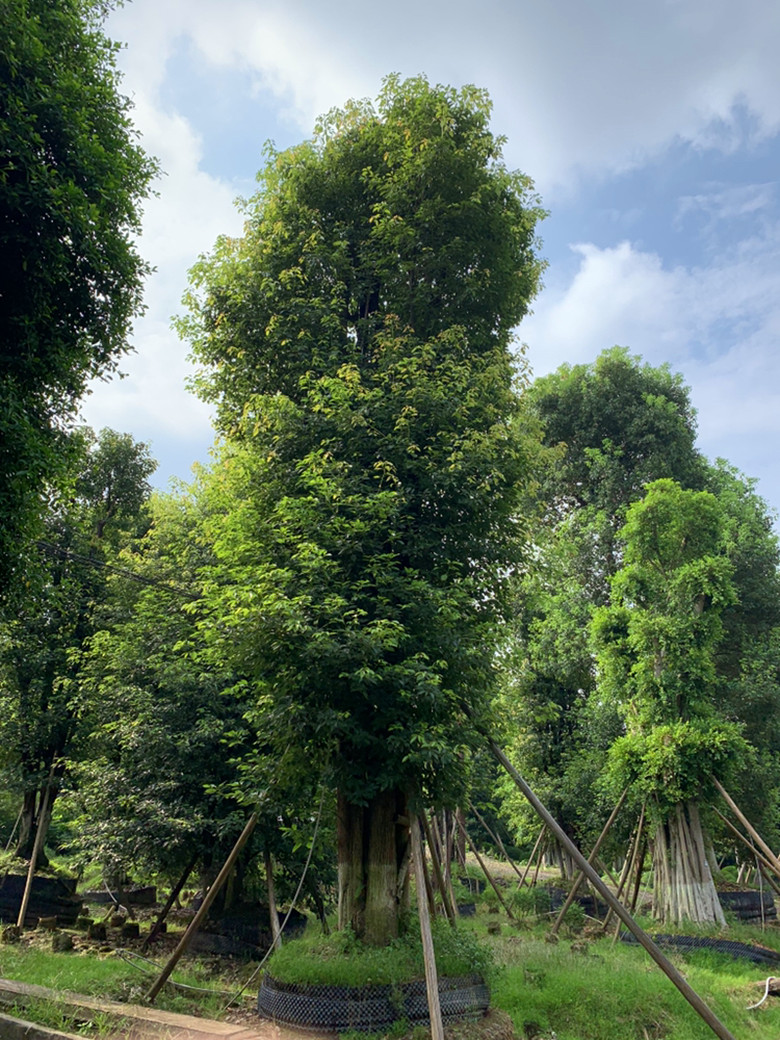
[{"x": 368, "y": 1008}]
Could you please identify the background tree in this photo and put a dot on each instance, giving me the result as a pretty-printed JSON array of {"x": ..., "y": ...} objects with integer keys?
[
  {"x": 658, "y": 643},
  {"x": 357, "y": 340},
  {"x": 73, "y": 177},
  {"x": 609, "y": 428},
  {"x": 40, "y": 652}
]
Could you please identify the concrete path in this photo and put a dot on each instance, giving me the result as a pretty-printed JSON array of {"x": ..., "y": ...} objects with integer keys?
[{"x": 142, "y": 1023}]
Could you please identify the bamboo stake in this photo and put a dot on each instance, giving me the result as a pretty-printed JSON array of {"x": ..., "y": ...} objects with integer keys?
[
  {"x": 638, "y": 883},
  {"x": 663, "y": 962},
  {"x": 497, "y": 839},
  {"x": 488, "y": 875},
  {"x": 542, "y": 849},
  {"x": 445, "y": 896},
  {"x": 276, "y": 934},
  {"x": 749, "y": 828},
  {"x": 632, "y": 867},
  {"x": 205, "y": 906},
  {"x": 155, "y": 930},
  {"x": 591, "y": 859},
  {"x": 629, "y": 858},
  {"x": 749, "y": 845},
  {"x": 431, "y": 976},
  {"x": 533, "y": 853},
  {"x": 446, "y": 845},
  {"x": 39, "y": 836}
]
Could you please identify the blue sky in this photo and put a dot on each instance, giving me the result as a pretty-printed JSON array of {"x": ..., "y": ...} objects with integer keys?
[{"x": 652, "y": 132}]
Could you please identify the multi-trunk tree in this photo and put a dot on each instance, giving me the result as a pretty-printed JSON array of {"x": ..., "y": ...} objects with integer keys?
[
  {"x": 658, "y": 642},
  {"x": 609, "y": 427},
  {"x": 357, "y": 341}
]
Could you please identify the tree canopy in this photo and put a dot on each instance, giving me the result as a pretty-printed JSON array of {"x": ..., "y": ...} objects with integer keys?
[
  {"x": 356, "y": 341},
  {"x": 73, "y": 178}
]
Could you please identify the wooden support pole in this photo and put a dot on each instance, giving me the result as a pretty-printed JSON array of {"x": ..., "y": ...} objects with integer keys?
[
  {"x": 626, "y": 871},
  {"x": 488, "y": 875},
  {"x": 155, "y": 930},
  {"x": 273, "y": 915},
  {"x": 40, "y": 833},
  {"x": 605, "y": 870},
  {"x": 749, "y": 845},
  {"x": 540, "y": 856},
  {"x": 441, "y": 883},
  {"x": 749, "y": 828},
  {"x": 497, "y": 839},
  {"x": 537, "y": 843},
  {"x": 640, "y": 866},
  {"x": 205, "y": 906},
  {"x": 447, "y": 892},
  {"x": 645, "y": 941},
  {"x": 591, "y": 859},
  {"x": 431, "y": 975}
]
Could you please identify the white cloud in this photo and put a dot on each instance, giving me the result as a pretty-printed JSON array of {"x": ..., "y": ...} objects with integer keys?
[
  {"x": 592, "y": 87},
  {"x": 719, "y": 325},
  {"x": 578, "y": 89}
]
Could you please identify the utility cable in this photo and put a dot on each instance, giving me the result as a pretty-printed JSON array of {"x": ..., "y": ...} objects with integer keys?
[{"x": 70, "y": 554}]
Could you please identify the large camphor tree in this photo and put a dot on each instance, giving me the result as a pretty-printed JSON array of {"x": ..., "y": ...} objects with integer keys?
[
  {"x": 357, "y": 342},
  {"x": 72, "y": 180}
]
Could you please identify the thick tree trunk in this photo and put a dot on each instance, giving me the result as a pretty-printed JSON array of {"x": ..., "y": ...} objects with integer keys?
[
  {"x": 373, "y": 845},
  {"x": 684, "y": 888}
]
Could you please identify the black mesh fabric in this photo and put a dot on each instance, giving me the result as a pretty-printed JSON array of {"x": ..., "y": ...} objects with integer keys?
[{"x": 368, "y": 1008}]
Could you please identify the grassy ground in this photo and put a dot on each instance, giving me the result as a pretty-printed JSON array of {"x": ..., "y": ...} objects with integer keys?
[{"x": 582, "y": 987}]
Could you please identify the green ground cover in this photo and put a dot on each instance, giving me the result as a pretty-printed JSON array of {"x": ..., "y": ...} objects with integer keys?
[{"x": 583, "y": 987}]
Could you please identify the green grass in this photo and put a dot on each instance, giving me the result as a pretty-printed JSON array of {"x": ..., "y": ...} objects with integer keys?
[
  {"x": 339, "y": 959},
  {"x": 113, "y": 978},
  {"x": 609, "y": 992},
  {"x": 615, "y": 991}
]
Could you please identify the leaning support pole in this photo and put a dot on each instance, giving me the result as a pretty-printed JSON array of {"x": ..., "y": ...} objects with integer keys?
[
  {"x": 748, "y": 845},
  {"x": 663, "y": 963},
  {"x": 488, "y": 875},
  {"x": 497, "y": 839},
  {"x": 437, "y": 871},
  {"x": 39, "y": 836},
  {"x": 591, "y": 859},
  {"x": 529, "y": 864},
  {"x": 431, "y": 975},
  {"x": 762, "y": 845},
  {"x": 205, "y": 906},
  {"x": 626, "y": 871},
  {"x": 157, "y": 926}
]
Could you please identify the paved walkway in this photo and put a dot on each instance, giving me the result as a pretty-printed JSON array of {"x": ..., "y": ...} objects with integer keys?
[{"x": 143, "y": 1023}]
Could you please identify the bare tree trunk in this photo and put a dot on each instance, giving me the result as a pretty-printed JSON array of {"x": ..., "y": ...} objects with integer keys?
[
  {"x": 372, "y": 847},
  {"x": 684, "y": 888}
]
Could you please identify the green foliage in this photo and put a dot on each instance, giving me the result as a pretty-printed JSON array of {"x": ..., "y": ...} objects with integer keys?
[
  {"x": 609, "y": 427},
  {"x": 41, "y": 648},
  {"x": 678, "y": 761},
  {"x": 657, "y": 646},
  {"x": 356, "y": 342},
  {"x": 70, "y": 277},
  {"x": 341, "y": 959}
]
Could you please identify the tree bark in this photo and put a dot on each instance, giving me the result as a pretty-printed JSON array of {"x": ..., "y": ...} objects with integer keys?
[
  {"x": 372, "y": 845},
  {"x": 684, "y": 888}
]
